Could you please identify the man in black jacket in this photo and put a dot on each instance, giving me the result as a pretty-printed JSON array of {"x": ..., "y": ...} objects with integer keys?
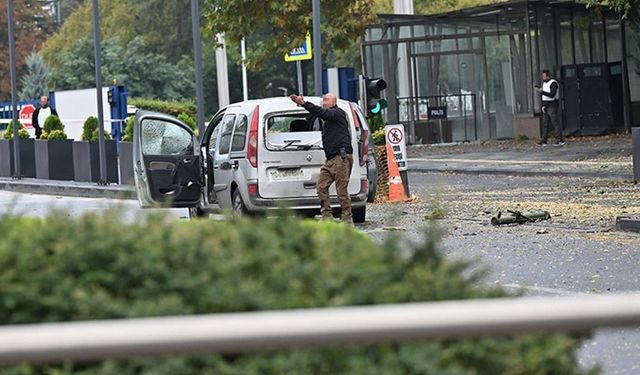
[
  {"x": 41, "y": 114},
  {"x": 336, "y": 141}
]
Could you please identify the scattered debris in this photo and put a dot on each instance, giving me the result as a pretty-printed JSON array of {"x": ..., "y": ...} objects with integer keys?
[
  {"x": 436, "y": 214},
  {"x": 517, "y": 217}
]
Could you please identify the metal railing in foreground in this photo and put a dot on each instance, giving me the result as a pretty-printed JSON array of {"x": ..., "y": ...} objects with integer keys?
[{"x": 310, "y": 328}]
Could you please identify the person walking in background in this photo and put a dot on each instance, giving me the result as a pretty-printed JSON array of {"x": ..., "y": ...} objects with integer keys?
[
  {"x": 41, "y": 114},
  {"x": 336, "y": 141},
  {"x": 550, "y": 91}
]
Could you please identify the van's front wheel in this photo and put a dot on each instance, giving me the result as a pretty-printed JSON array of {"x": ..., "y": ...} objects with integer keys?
[
  {"x": 239, "y": 209},
  {"x": 359, "y": 214}
]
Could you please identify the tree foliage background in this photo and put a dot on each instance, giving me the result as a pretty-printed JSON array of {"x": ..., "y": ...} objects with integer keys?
[
  {"x": 34, "y": 82},
  {"x": 32, "y": 25}
]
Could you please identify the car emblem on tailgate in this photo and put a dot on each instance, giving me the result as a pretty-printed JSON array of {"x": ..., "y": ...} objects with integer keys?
[{"x": 309, "y": 157}]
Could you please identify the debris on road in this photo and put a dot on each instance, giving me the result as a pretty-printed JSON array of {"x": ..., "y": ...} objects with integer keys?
[{"x": 517, "y": 217}]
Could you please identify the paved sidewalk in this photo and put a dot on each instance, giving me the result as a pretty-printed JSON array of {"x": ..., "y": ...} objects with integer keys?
[
  {"x": 606, "y": 157},
  {"x": 67, "y": 188}
]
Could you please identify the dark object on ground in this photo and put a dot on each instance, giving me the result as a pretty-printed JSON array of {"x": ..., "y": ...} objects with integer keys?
[
  {"x": 629, "y": 223},
  {"x": 517, "y": 217}
]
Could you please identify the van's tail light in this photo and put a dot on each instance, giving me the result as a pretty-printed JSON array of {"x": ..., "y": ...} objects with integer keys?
[
  {"x": 365, "y": 148},
  {"x": 253, "y": 189},
  {"x": 363, "y": 144},
  {"x": 252, "y": 148},
  {"x": 364, "y": 186}
]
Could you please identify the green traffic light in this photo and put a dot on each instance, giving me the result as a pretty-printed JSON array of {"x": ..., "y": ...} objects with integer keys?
[{"x": 380, "y": 105}]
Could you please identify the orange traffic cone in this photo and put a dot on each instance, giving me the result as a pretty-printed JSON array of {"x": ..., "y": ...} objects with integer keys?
[{"x": 396, "y": 188}]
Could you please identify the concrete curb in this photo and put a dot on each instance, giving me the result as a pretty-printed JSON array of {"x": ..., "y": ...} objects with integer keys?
[
  {"x": 522, "y": 173},
  {"x": 67, "y": 188}
]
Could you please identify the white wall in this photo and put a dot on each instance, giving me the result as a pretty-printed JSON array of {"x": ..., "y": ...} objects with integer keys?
[{"x": 74, "y": 106}]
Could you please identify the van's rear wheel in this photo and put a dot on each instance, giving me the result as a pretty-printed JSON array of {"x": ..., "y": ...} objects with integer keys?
[
  {"x": 239, "y": 209},
  {"x": 359, "y": 214},
  {"x": 196, "y": 212}
]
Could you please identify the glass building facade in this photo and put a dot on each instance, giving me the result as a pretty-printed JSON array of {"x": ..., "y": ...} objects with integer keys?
[{"x": 482, "y": 64}]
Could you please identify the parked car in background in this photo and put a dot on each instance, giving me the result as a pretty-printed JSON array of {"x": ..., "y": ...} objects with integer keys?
[{"x": 254, "y": 156}]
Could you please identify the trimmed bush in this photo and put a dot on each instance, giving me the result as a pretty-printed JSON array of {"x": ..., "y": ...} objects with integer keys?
[
  {"x": 54, "y": 135},
  {"x": 128, "y": 130},
  {"x": 53, "y": 129},
  {"x": 61, "y": 268},
  {"x": 378, "y": 137},
  {"x": 375, "y": 122},
  {"x": 22, "y": 132},
  {"x": 169, "y": 107},
  {"x": 88, "y": 128},
  {"x": 188, "y": 120}
]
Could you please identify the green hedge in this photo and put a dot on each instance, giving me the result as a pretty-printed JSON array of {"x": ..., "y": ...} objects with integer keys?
[
  {"x": 61, "y": 268},
  {"x": 169, "y": 107}
]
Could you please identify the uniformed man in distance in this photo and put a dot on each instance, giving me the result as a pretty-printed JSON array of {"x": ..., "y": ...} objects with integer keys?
[
  {"x": 336, "y": 141},
  {"x": 550, "y": 91}
]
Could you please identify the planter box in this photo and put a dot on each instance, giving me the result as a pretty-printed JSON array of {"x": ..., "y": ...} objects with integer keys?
[
  {"x": 54, "y": 160},
  {"x": 126, "y": 163},
  {"x": 86, "y": 161},
  {"x": 27, "y": 158},
  {"x": 81, "y": 161}
]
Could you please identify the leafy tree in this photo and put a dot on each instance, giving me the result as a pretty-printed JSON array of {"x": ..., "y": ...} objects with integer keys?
[
  {"x": 30, "y": 28},
  {"x": 623, "y": 7},
  {"x": 67, "y": 7},
  {"x": 117, "y": 20},
  {"x": 146, "y": 74},
  {"x": 34, "y": 84},
  {"x": 286, "y": 23}
]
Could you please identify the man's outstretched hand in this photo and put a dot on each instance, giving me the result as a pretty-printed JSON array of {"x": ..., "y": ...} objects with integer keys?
[{"x": 298, "y": 99}]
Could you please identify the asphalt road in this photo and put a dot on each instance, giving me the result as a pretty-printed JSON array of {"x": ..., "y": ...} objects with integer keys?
[{"x": 575, "y": 252}]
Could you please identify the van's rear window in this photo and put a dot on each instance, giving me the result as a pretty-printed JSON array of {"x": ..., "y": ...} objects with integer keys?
[{"x": 293, "y": 131}]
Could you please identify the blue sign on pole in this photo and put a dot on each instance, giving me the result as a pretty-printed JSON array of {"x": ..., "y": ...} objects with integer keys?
[{"x": 301, "y": 53}]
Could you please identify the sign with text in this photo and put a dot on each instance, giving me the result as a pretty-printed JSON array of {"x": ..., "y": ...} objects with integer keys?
[
  {"x": 437, "y": 113},
  {"x": 395, "y": 136},
  {"x": 303, "y": 52}
]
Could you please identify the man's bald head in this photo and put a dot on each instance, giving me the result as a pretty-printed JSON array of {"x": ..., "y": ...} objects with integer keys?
[{"x": 329, "y": 100}]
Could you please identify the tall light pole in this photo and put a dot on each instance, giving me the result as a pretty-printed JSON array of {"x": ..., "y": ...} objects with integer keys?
[
  {"x": 197, "y": 58},
  {"x": 14, "y": 109},
  {"x": 98, "y": 64},
  {"x": 317, "y": 53},
  {"x": 245, "y": 88}
]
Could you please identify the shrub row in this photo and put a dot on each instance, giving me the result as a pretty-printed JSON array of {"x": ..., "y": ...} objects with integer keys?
[{"x": 61, "y": 268}]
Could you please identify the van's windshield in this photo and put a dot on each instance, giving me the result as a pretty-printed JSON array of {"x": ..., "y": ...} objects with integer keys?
[{"x": 293, "y": 131}]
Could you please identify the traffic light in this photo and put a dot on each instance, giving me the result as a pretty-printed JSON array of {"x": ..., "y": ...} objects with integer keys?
[
  {"x": 375, "y": 104},
  {"x": 110, "y": 97}
]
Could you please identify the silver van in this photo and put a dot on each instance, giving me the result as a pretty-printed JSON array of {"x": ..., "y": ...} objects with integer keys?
[{"x": 254, "y": 156}]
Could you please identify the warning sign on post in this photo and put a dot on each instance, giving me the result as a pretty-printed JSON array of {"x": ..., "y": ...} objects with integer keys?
[{"x": 396, "y": 138}]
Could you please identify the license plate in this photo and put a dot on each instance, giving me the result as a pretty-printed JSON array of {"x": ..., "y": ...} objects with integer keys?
[{"x": 286, "y": 174}]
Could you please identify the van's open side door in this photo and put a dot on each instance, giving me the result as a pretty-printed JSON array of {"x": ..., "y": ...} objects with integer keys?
[{"x": 166, "y": 162}]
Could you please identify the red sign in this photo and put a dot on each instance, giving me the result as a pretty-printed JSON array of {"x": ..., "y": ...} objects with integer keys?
[
  {"x": 26, "y": 112},
  {"x": 395, "y": 136}
]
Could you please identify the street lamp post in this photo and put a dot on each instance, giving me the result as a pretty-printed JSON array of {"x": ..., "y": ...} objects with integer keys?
[
  {"x": 317, "y": 53},
  {"x": 14, "y": 109},
  {"x": 98, "y": 64},
  {"x": 197, "y": 57}
]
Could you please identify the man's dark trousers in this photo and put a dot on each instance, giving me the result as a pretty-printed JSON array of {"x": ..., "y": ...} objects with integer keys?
[{"x": 551, "y": 118}]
